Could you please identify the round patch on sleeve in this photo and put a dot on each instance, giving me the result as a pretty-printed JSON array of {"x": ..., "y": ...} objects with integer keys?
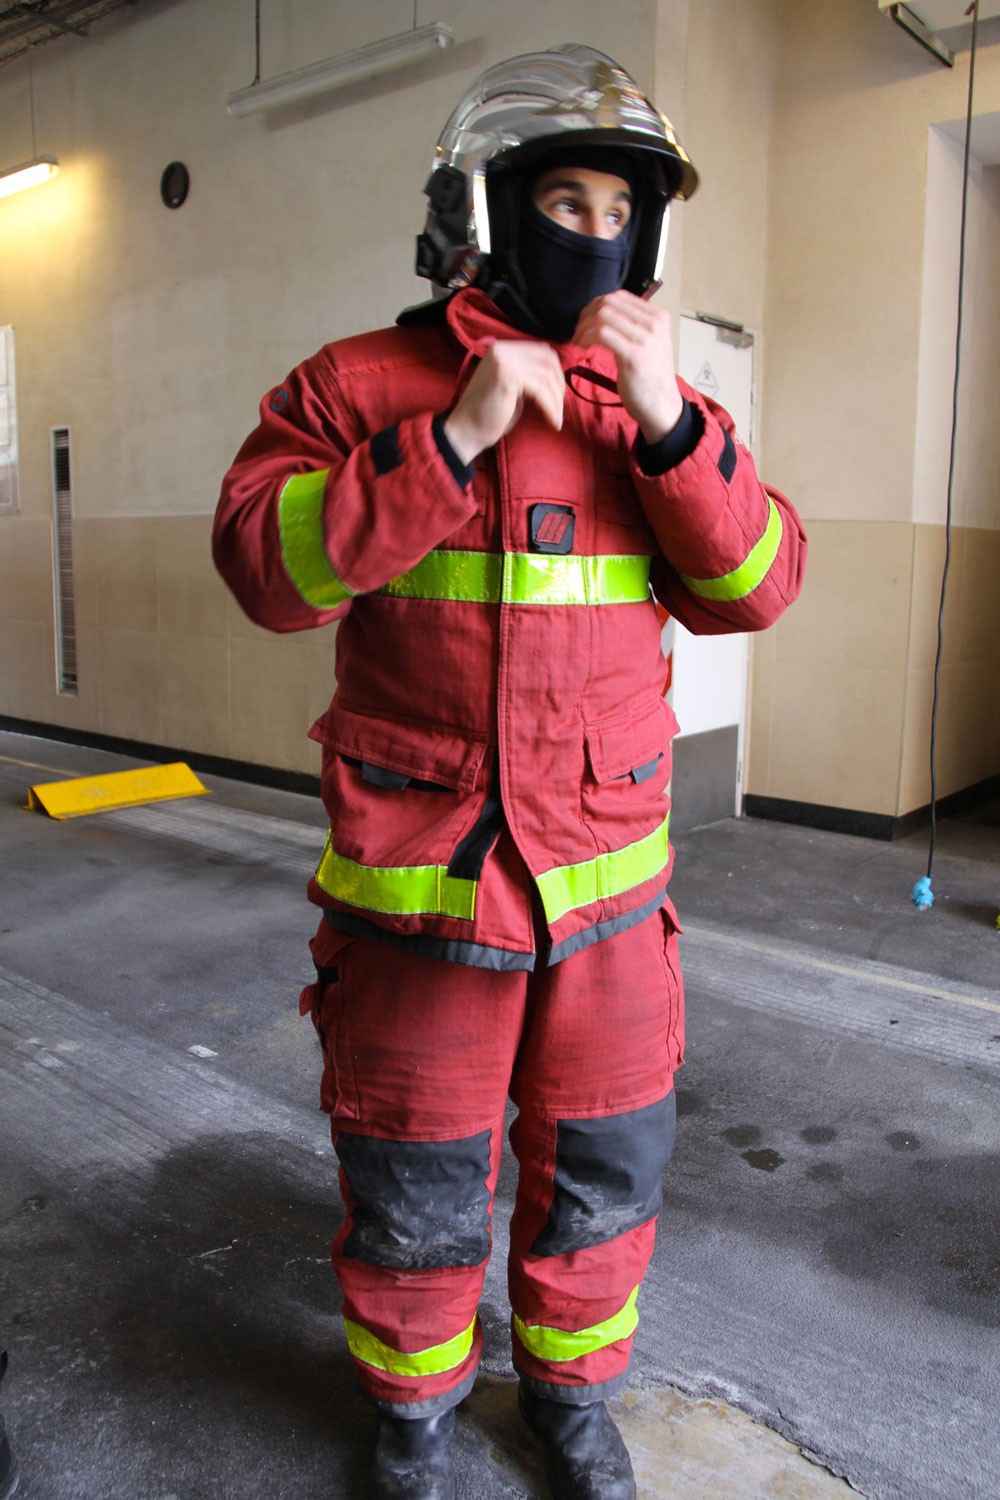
[{"x": 279, "y": 400}]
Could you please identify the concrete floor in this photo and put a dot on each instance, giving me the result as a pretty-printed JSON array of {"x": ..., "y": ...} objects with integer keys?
[{"x": 827, "y": 1276}]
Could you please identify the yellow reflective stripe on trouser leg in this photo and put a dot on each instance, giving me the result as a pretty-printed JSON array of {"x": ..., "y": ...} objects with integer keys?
[
  {"x": 433, "y": 1361},
  {"x": 559, "y": 1344},
  {"x": 569, "y": 886},
  {"x": 300, "y": 530},
  {"x": 751, "y": 572},
  {"x": 403, "y": 890}
]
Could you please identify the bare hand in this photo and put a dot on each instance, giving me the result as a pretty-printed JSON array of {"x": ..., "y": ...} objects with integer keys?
[
  {"x": 638, "y": 335},
  {"x": 511, "y": 371}
]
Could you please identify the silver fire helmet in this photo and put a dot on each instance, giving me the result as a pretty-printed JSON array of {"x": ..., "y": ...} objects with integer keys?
[{"x": 513, "y": 115}]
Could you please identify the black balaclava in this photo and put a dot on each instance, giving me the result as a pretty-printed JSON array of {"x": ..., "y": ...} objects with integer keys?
[{"x": 560, "y": 270}]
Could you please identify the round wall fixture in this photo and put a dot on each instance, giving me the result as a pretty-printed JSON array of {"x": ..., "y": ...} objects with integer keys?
[{"x": 174, "y": 184}]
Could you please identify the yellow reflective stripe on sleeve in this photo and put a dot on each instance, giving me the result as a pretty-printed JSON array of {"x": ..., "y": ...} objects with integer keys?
[
  {"x": 744, "y": 579},
  {"x": 404, "y": 890},
  {"x": 524, "y": 578},
  {"x": 470, "y": 576},
  {"x": 569, "y": 886},
  {"x": 558, "y": 1344},
  {"x": 300, "y": 529},
  {"x": 433, "y": 1361}
]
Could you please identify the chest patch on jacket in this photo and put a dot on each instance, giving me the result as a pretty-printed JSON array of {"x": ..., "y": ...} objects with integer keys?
[{"x": 552, "y": 528}]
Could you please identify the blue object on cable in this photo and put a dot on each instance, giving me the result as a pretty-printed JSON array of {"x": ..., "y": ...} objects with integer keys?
[{"x": 922, "y": 896}]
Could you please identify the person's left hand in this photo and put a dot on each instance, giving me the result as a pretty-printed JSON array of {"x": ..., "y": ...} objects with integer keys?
[{"x": 638, "y": 335}]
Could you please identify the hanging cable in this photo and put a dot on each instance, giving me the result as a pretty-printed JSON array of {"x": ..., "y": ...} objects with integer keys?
[
  {"x": 922, "y": 896},
  {"x": 256, "y": 76},
  {"x": 31, "y": 105}
]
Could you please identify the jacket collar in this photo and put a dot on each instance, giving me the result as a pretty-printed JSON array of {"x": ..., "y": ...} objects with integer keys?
[{"x": 477, "y": 323}]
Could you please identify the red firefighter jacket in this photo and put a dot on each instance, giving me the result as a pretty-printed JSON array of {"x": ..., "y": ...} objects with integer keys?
[{"x": 498, "y": 651}]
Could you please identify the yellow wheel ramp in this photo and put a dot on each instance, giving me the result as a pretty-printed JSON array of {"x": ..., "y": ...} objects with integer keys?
[{"x": 94, "y": 794}]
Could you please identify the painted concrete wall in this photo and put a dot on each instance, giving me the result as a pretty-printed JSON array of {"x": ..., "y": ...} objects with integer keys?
[
  {"x": 153, "y": 333},
  {"x": 860, "y": 315}
]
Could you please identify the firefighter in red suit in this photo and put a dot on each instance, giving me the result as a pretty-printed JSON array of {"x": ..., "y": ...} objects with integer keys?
[{"x": 488, "y": 498}]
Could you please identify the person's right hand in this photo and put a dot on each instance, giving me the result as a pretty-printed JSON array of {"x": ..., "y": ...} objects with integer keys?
[{"x": 492, "y": 402}]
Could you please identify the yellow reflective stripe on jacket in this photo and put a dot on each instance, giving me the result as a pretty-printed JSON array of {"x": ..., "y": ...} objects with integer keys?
[
  {"x": 470, "y": 576},
  {"x": 433, "y": 1361},
  {"x": 300, "y": 530},
  {"x": 404, "y": 890},
  {"x": 558, "y": 1344},
  {"x": 744, "y": 579},
  {"x": 524, "y": 578},
  {"x": 534, "y": 578},
  {"x": 569, "y": 886}
]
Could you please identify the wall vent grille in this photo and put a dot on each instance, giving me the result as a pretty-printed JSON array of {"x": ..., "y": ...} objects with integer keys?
[{"x": 65, "y": 594}]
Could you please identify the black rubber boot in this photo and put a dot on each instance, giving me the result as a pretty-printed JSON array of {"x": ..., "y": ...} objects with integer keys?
[
  {"x": 587, "y": 1458},
  {"x": 8, "y": 1468},
  {"x": 413, "y": 1458}
]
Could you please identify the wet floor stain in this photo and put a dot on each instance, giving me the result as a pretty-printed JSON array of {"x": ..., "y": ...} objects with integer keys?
[
  {"x": 743, "y": 1135},
  {"x": 764, "y": 1160},
  {"x": 825, "y": 1171},
  {"x": 903, "y": 1140},
  {"x": 818, "y": 1135},
  {"x": 710, "y": 1451},
  {"x": 688, "y": 1102}
]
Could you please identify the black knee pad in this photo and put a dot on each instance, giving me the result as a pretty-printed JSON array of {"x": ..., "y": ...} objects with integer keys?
[
  {"x": 419, "y": 1204},
  {"x": 607, "y": 1176}
]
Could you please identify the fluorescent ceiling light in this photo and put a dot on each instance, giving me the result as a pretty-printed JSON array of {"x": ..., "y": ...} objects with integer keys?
[
  {"x": 349, "y": 67},
  {"x": 28, "y": 174}
]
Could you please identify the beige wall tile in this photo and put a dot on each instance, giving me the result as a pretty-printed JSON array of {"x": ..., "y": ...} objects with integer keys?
[
  {"x": 191, "y": 597},
  {"x": 914, "y": 769},
  {"x": 194, "y": 693},
  {"x": 968, "y": 731},
  {"x": 928, "y": 564},
  {"x": 241, "y": 627},
  {"x": 85, "y": 570},
  {"x": 978, "y": 599},
  {"x": 130, "y": 684},
  {"x": 855, "y": 602},
  {"x": 25, "y": 568},
  {"x": 322, "y": 676},
  {"x": 27, "y": 684},
  {"x": 269, "y": 712},
  {"x": 835, "y": 736},
  {"x": 967, "y": 750},
  {"x": 126, "y": 573},
  {"x": 760, "y": 707}
]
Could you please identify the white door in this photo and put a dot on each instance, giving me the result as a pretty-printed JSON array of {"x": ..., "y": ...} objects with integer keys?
[{"x": 709, "y": 673}]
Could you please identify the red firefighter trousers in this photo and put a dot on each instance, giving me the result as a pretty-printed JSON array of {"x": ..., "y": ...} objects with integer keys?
[{"x": 420, "y": 1056}]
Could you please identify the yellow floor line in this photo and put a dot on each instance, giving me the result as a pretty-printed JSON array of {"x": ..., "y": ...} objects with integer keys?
[
  {"x": 36, "y": 765},
  {"x": 845, "y": 969}
]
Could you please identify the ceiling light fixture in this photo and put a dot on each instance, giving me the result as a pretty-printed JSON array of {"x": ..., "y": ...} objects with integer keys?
[
  {"x": 28, "y": 173},
  {"x": 349, "y": 67}
]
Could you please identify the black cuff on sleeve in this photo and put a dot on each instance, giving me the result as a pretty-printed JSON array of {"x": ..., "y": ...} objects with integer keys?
[
  {"x": 656, "y": 458},
  {"x": 463, "y": 472}
]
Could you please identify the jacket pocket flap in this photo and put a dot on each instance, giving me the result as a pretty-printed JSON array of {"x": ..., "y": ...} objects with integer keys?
[
  {"x": 423, "y": 751},
  {"x": 630, "y": 740}
]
